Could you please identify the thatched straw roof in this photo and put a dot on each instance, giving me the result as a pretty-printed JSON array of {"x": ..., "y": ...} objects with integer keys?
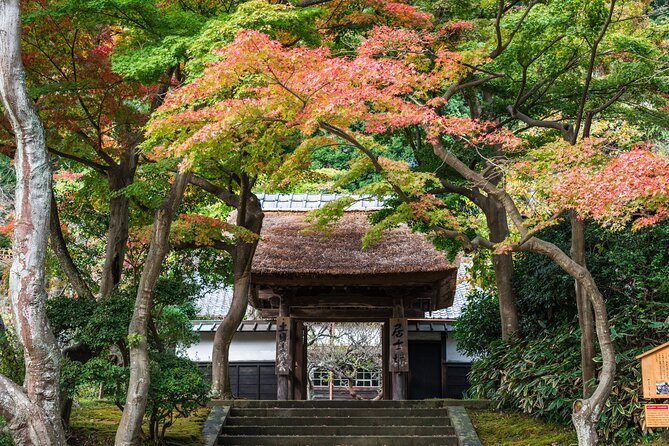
[{"x": 286, "y": 249}]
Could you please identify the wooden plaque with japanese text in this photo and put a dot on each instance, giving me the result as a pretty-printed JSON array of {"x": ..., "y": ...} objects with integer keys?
[
  {"x": 655, "y": 372},
  {"x": 283, "y": 356},
  {"x": 657, "y": 415},
  {"x": 399, "y": 345}
]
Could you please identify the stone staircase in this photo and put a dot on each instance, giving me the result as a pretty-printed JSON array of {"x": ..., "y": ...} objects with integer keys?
[{"x": 359, "y": 423}]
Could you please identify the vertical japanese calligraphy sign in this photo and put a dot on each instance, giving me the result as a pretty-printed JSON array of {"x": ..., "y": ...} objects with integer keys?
[
  {"x": 399, "y": 345},
  {"x": 283, "y": 359}
]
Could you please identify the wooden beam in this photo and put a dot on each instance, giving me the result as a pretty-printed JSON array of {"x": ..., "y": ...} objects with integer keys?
[
  {"x": 379, "y": 279},
  {"x": 340, "y": 314}
]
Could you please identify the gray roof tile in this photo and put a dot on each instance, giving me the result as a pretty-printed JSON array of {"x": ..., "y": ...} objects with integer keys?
[{"x": 299, "y": 202}]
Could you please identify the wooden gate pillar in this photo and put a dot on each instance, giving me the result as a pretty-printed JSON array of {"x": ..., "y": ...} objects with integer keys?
[
  {"x": 399, "y": 351},
  {"x": 284, "y": 357},
  {"x": 386, "y": 379},
  {"x": 300, "y": 362}
]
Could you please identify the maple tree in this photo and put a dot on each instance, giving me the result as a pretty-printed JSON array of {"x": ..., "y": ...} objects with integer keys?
[{"x": 316, "y": 93}]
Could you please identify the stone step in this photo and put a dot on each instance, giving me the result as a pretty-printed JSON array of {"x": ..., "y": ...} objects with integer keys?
[
  {"x": 338, "y": 421},
  {"x": 336, "y": 412},
  {"x": 367, "y": 431},
  {"x": 340, "y": 403},
  {"x": 349, "y": 440}
]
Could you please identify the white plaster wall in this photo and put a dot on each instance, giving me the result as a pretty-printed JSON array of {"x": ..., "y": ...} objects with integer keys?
[
  {"x": 261, "y": 346},
  {"x": 452, "y": 354},
  {"x": 245, "y": 347}
]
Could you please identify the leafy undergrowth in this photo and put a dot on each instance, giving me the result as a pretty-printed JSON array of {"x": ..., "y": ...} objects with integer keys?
[
  {"x": 95, "y": 422},
  {"x": 506, "y": 428}
]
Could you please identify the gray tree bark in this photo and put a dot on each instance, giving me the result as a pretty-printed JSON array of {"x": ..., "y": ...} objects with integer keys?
[
  {"x": 34, "y": 411},
  {"x": 130, "y": 427}
]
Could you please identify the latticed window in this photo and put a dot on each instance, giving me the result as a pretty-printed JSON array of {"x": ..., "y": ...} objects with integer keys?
[
  {"x": 367, "y": 379},
  {"x": 321, "y": 378},
  {"x": 364, "y": 378}
]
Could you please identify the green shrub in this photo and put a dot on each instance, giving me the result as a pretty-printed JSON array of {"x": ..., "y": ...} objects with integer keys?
[
  {"x": 482, "y": 312},
  {"x": 542, "y": 376},
  {"x": 5, "y": 438},
  {"x": 177, "y": 389},
  {"x": 11, "y": 356}
]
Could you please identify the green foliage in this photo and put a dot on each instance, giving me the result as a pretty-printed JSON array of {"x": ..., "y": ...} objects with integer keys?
[
  {"x": 541, "y": 376},
  {"x": 133, "y": 339},
  {"x": 275, "y": 20},
  {"x": 478, "y": 326},
  {"x": 5, "y": 438},
  {"x": 177, "y": 386},
  {"x": 177, "y": 389},
  {"x": 11, "y": 356}
]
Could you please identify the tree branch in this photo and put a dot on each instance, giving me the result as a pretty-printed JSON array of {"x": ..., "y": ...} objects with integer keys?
[
  {"x": 59, "y": 248},
  {"x": 588, "y": 77},
  {"x": 565, "y": 129},
  {"x": 498, "y": 30},
  {"x": 453, "y": 89},
  {"x": 226, "y": 196},
  {"x": 590, "y": 114},
  {"x": 86, "y": 162}
]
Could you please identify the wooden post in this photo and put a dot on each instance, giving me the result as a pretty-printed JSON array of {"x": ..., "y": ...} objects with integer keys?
[
  {"x": 385, "y": 362},
  {"x": 399, "y": 351},
  {"x": 284, "y": 353},
  {"x": 299, "y": 369},
  {"x": 444, "y": 364}
]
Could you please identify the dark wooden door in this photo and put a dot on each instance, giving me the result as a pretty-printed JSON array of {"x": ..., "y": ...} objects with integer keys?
[
  {"x": 253, "y": 380},
  {"x": 424, "y": 370}
]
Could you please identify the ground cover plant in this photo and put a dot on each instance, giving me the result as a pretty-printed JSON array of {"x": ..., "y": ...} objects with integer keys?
[
  {"x": 509, "y": 428},
  {"x": 94, "y": 423}
]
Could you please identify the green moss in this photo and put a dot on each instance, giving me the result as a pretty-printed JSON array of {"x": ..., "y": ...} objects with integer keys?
[
  {"x": 506, "y": 428},
  {"x": 94, "y": 423}
]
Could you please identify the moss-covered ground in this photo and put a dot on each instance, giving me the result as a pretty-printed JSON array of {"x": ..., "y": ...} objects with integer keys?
[
  {"x": 94, "y": 424},
  {"x": 506, "y": 428}
]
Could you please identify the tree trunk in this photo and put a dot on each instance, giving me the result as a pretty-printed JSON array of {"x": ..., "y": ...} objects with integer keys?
[
  {"x": 250, "y": 217},
  {"x": 34, "y": 411},
  {"x": 130, "y": 427},
  {"x": 585, "y": 412},
  {"x": 585, "y": 320},
  {"x": 119, "y": 176},
  {"x": 503, "y": 267},
  {"x": 59, "y": 248},
  {"x": 26, "y": 422}
]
